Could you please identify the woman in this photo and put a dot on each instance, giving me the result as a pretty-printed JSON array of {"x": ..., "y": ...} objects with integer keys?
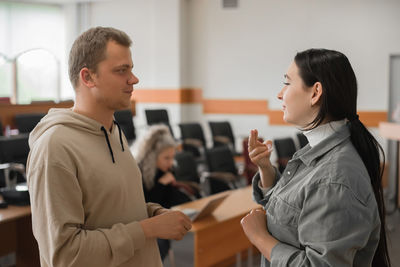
[
  {"x": 326, "y": 208},
  {"x": 155, "y": 152}
]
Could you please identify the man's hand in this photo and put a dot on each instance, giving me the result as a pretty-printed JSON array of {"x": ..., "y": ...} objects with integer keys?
[{"x": 167, "y": 225}]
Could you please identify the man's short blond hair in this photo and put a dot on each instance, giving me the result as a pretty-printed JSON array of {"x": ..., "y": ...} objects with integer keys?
[{"x": 89, "y": 49}]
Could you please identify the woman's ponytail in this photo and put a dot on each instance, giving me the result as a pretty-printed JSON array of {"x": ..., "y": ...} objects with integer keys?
[{"x": 370, "y": 152}]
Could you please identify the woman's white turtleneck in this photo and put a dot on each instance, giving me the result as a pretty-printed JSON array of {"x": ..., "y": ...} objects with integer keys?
[{"x": 318, "y": 134}]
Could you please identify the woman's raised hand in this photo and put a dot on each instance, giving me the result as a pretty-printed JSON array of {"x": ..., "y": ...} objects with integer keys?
[{"x": 259, "y": 152}]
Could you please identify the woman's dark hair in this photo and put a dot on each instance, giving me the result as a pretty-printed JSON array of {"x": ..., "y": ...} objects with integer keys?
[{"x": 339, "y": 101}]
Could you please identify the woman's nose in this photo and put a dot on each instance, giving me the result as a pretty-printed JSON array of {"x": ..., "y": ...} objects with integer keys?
[{"x": 280, "y": 94}]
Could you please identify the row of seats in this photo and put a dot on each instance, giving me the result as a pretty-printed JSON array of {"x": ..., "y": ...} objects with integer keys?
[
  {"x": 222, "y": 173},
  {"x": 14, "y": 152},
  {"x": 192, "y": 134},
  {"x": 218, "y": 168},
  {"x": 194, "y": 143},
  {"x": 15, "y": 149}
]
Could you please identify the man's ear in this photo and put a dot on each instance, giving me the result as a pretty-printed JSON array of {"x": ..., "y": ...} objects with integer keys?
[
  {"x": 316, "y": 93},
  {"x": 86, "y": 76}
]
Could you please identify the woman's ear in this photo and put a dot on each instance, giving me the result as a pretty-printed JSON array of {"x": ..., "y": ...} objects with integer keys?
[
  {"x": 316, "y": 93},
  {"x": 85, "y": 76}
]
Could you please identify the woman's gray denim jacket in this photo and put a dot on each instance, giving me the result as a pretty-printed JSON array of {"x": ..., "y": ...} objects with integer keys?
[{"x": 322, "y": 209}]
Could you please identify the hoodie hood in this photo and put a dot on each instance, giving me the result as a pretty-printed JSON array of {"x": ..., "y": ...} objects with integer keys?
[{"x": 68, "y": 118}]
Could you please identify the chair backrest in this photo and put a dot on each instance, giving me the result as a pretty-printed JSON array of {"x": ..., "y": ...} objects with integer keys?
[
  {"x": 27, "y": 121},
  {"x": 285, "y": 148},
  {"x": 186, "y": 167},
  {"x": 221, "y": 128},
  {"x": 302, "y": 139},
  {"x": 192, "y": 131},
  {"x": 220, "y": 159},
  {"x": 157, "y": 116},
  {"x": 125, "y": 120},
  {"x": 1, "y": 129},
  {"x": 14, "y": 149}
]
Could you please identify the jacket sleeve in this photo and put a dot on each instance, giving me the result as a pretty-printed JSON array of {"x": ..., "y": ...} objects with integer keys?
[
  {"x": 58, "y": 219},
  {"x": 258, "y": 195},
  {"x": 332, "y": 226}
]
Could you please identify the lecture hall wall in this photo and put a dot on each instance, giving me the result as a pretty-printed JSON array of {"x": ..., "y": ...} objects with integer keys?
[{"x": 203, "y": 62}]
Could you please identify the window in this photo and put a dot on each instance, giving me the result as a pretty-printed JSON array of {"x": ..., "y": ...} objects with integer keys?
[
  {"x": 32, "y": 41},
  {"x": 5, "y": 76}
]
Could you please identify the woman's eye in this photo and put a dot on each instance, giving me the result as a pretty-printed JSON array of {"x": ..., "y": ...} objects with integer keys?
[{"x": 285, "y": 83}]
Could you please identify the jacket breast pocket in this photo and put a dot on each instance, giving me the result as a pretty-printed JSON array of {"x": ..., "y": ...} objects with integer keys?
[{"x": 283, "y": 221}]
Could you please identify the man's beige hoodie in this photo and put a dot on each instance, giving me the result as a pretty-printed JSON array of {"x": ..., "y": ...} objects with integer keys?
[{"x": 86, "y": 195}]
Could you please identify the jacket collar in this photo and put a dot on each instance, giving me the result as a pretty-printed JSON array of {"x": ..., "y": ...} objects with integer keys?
[{"x": 308, "y": 154}]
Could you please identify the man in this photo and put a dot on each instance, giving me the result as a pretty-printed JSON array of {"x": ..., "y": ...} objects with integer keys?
[{"x": 87, "y": 201}]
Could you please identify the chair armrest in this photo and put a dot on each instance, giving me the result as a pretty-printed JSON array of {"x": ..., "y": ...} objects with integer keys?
[
  {"x": 224, "y": 176},
  {"x": 193, "y": 142},
  {"x": 222, "y": 139},
  {"x": 191, "y": 184},
  {"x": 190, "y": 189},
  {"x": 17, "y": 167}
]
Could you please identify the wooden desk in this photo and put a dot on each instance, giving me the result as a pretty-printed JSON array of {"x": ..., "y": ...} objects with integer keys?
[
  {"x": 220, "y": 236},
  {"x": 16, "y": 236},
  {"x": 391, "y": 131}
]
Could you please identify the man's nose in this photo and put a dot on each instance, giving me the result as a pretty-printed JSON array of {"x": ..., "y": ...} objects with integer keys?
[{"x": 133, "y": 79}]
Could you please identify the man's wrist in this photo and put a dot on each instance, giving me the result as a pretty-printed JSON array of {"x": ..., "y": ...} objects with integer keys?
[
  {"x": 160, "y": 211},
  {"x": 147, "y": 228}
]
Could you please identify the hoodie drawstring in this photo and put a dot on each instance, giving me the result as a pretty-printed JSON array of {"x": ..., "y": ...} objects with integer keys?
[
  {"x": 120, "y": 135},
  {"x": 108, "y": 140}
]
